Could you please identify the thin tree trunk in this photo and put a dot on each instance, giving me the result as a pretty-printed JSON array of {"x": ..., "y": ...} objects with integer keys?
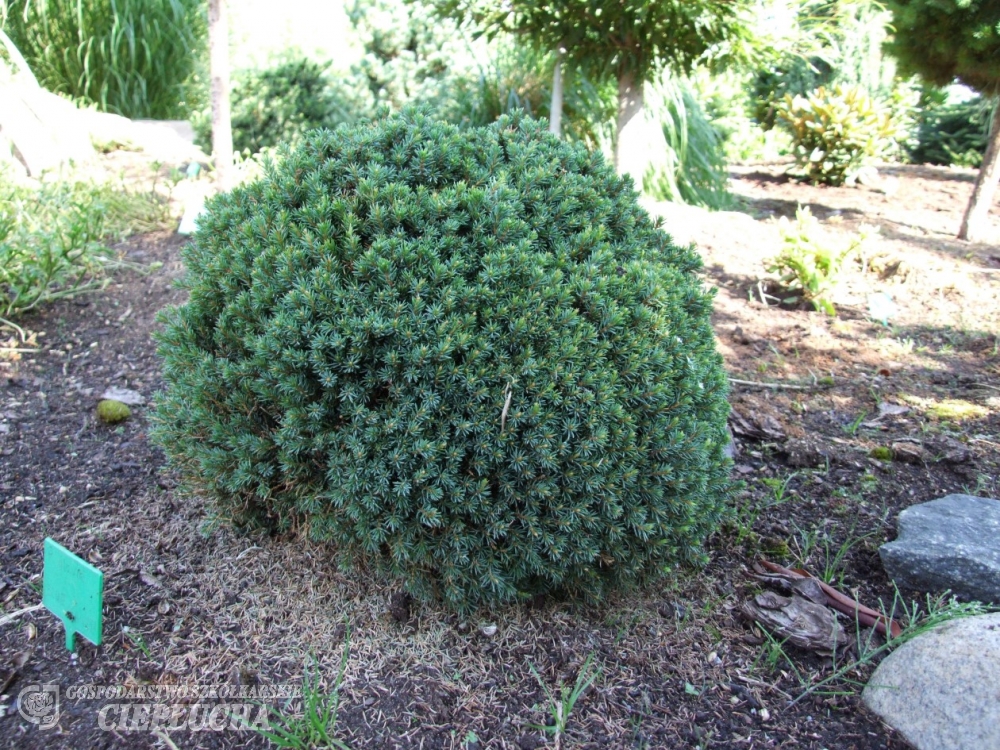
[
  {"x": 222, "y": 129},
  {"x": 555, "y": 108},
  {"x": 977, "y": 212},
  {"x": 630, "y": 156}
]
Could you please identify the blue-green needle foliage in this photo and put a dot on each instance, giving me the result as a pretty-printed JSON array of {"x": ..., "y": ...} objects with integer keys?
[{"x": 465, "y": 355}]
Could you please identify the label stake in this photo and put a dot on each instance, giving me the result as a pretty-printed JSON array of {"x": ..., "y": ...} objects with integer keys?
[{"x": 73, "y": 590}]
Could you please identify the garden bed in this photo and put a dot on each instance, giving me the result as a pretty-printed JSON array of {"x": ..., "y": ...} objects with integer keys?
[{"x": 188, "y": 601}]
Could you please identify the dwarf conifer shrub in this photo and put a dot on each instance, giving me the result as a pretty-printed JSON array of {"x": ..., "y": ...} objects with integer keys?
[{"x": 465, "y": 355}]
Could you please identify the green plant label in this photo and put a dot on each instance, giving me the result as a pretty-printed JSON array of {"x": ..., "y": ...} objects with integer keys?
[{"x": 73, "y": 590}]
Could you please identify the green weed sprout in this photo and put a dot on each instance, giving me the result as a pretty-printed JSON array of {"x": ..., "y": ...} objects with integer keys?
[
  {"x": 561, "y": 707},
  {"x": 809, "y": 264},
  {"x": 314, "y": 729}
]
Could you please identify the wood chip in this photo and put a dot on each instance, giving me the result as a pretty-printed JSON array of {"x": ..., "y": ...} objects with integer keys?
[{"x": 799, "y": 621}]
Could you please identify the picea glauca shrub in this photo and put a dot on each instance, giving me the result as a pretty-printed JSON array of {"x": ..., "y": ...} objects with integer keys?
[{"x": 467, "y": 356}]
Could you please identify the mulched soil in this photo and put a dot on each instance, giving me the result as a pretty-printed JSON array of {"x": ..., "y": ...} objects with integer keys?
[{"x": 190, "y": 602}]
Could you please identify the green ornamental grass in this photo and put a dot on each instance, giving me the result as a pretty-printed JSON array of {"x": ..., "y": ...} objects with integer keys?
[
  {"x": 465, "y": 355},
  {"x": 136, "y": 58}
]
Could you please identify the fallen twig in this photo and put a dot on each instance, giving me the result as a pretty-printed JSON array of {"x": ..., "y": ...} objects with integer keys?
[
  {"x": 777, "y": 386},
  {"x": 14, "y": 615},
  {"x": 984, "y": 385},
  {"x": 165, "y": 739},
  {"x": 506, "y": 407},
  {"x": 765, "y": 685},
  {"x": 842, "y": 602}
]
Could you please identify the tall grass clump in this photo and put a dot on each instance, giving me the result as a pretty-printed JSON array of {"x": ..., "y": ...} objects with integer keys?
[
  {"x": 691, "y": 165},
  {"x": 135, "y": 58}
]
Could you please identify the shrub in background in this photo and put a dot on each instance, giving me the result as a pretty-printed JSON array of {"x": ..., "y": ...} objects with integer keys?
[
  {"x": 466, "y": 355},
  {"x": 280, "y": 103},
  {"x": 837, "y": 44},
  {"x": 410, "y": 55},
  {"x": 953, "y": 133},
  {"x": 135, "y": 58},
  {"x": 518, "y": 77},
  {"x": 835, "y": 132},
  {"x": 726, "y": 102},
  {"x": 789, "y": 74},
  {"x": 690, "y": 165}
]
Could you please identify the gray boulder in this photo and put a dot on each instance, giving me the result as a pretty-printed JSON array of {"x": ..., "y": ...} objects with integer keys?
[
  {"x": 941, "y": 690},
  {"x": 950, "y": 543}
]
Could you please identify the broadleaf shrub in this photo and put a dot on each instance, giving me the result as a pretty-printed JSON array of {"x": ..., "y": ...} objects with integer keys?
[
  {"x": 837, "y": 131},
  {"x": 810, "y": 262},
  {"x": 465, "y": 355}
]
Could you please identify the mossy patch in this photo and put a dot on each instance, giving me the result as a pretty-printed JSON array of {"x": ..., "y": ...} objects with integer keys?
[
  {"x": 110, "y": 411},
  {"x": 957, "y": 410},
  {"x": 776, "y": 548},
  {"x": 953, "y": 409},
  {"x": 882, "y": 453}
]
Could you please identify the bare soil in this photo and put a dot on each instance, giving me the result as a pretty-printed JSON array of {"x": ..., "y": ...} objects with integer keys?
[{"x": 189, "y": 601}]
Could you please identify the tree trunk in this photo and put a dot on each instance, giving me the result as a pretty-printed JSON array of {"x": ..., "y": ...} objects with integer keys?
[
  {"x": 977, "y": 212},
  {"x": 222, "y": 128},
  {"x": 555, "y": 108},
  {"x": 630, "y": 156}
]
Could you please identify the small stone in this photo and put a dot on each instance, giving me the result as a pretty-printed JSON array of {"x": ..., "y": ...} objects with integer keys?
[
  {"x": 889, "y": 186},
  {"x": 399, "y": 606},
  {"x": 949, "y": 543},
  {"x": 801, "y": 622},
  {"x": 110, "y": 411},
  {"x": 951, "y": 451},
  {"x": 867, "y": 175},
  {"x": 489, "y": 630},
  {"x": 940, "y": 689},
  {"x": 909, "y": 453},
  {"x": 805, "y": 454},
  {"x": 886, "y": 409},
  {"x": 125, "y": 395}
]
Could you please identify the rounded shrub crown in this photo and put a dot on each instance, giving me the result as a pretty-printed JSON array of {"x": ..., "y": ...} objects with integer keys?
[{"x": 467, "y": 356}]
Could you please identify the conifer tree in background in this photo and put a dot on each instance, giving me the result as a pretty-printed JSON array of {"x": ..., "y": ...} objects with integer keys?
[
  {"x": 634, "y": 41},
  {"x": 945, "y": 40},
  {"x": 410, "y": 55},
  {"x": 465, "y": 355}
]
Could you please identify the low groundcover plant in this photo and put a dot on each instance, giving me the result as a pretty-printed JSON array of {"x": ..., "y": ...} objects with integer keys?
[{"x": 466, "y": 356}]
